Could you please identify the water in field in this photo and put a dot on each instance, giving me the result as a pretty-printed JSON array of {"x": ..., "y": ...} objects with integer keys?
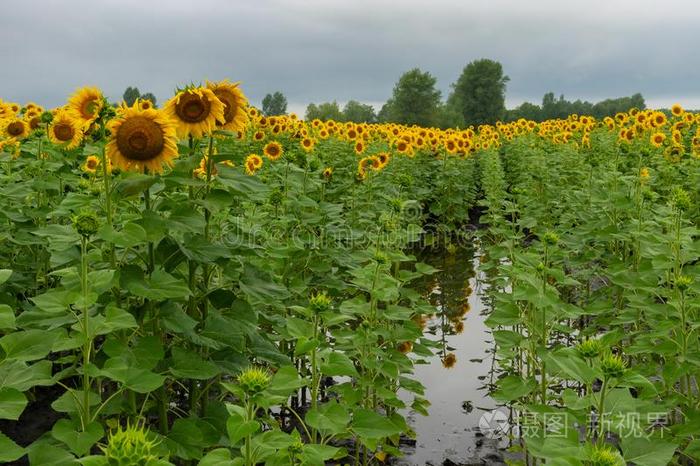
[{"x": 451, "y": 434}]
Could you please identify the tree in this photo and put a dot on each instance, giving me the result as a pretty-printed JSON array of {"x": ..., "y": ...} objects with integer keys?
[
  {"x": 449, "y": 117},
  {"x": 130, "y": 95},
  {"x": 480, "y": 92},
  {"x": 149, "y": 96},
  {"x": 526, "y": 110},
  {"x": 274, "y": 104},
  {"x": 324, "y": 111},
  {"x": 414, "y": 101},
  {"x": 359, "y": 112}
]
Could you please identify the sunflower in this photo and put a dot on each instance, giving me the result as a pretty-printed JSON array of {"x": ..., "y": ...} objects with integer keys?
[
  {"x": 253, "y": 163},
  {"x": 328, "y": 173},
  {"x": 308, "y": 144},
  {"x": 384, "y": 158},
  {"x": 657, "y": 139},
  {"x": 142, "y": 139},
  {"x": 676, "y": 109},
  {"x": 66, "y": 130},
  {"x": 85, "y": 105},
  {"x": 91, "y": 164},
  {"x": 449, "y": 361},
  {"x": 259, "y": 135},
  {"x": 145, "y": 104},
  {"x": 359, "y": 147},
  {"x": 15, "y": 128},
  {"x": 235, "y": 103},
  {"x": 196, "y": 111},
  {"x": 273, "y": 150}
]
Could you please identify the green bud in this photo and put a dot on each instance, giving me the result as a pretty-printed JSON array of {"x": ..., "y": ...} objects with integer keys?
[
  {"x": 540, "y": 267},
  {"x": 46, "y": 117},
  {"x": 254, "y": 380},
  {"x": 605, "y": 456},
  {"x": 680, "y": 199},
  {"x": 683, "y": 282},
  {"x": 613, "y": 365},
  {"x": 590, "y": 348},
  {"x": 381, "y": 257},
  {"x": 86, "y": 224},
  {"x": 320, "y": 303},
  {"x": 130, "y": 446},
  {"x": 550, "y": 238},
  {"x": 276, "y": 197}
]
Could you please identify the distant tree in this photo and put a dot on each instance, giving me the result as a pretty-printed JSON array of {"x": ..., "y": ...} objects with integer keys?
[
  {"x": 526, "y": 110},
  {"x": 480, "y": 92},
  {"x": 414, "y": 101},
  {"x": 130, "y": 95},
  {"x": 274, "y": 104},
  {"x": 324, "y": 111},
  {"x": 359, "y": 112},
  {"x": 149, "y": 96},
  {"x": 449, "y": 117}
]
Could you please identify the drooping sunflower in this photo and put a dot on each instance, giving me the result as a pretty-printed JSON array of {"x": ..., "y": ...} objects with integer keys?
[
  {"x": 235, "y": 103},
  {"x": 65, "y": 130},
  {"x": 15, "y": 128},
  {"x": 273, "y": 150},
  {"x": 142, "y": 139},
  {"x": 91, "y": 164},
  {"x": 196, "y": 111},
  {"x": 253, "y": 163},
  {"x": 85, "y": 105}
]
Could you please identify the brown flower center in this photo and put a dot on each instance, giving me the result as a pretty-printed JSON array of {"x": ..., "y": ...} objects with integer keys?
[
  {"x": 63, "y": 132},
  {"x": 192, "y": 108},
  {"x": 230, "y": 104},
  {"x": 89, "y": 108},
  {"x": 16, "y": 128},
  {"x": 92, "y": 164},
  {"x": 140, "y": 138}
]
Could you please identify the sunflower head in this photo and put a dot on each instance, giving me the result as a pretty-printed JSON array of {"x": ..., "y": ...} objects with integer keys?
[
  {"x": 273, "y": 150},
  {"x": 676, "y": 109},
  {"x": 142, "y": 139},
  {"x": 196, "y": 111},
  {"x": 66, "y": 129},
  {"x": 91, "y": 164},
  {"x": 15, "y": 128},
  {"x": 85, "y": 105},
  {"x": 253, "y": 163},
  {"x": 308, "y": 144},
  {"x": 328, "y": 173},
  {"x": 234, "y": 102}
]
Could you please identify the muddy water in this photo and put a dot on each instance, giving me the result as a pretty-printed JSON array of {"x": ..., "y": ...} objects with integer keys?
[{"x": 451, "y": 434}]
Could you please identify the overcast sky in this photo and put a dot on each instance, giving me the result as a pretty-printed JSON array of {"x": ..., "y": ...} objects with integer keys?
[{"x": 320, "y": 50}]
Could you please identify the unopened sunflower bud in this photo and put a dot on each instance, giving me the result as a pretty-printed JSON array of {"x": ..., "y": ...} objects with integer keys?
[
  {"x": 86, "y": 224},
  {"x": 320, "y": 303},
  {"x": 254, "y": 380},
  {"x": 613, "y": 365}
]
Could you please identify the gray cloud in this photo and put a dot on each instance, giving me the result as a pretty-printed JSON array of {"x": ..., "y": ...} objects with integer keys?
[{"x": 323, "y": 50}]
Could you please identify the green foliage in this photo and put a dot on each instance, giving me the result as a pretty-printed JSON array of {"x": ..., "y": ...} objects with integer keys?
[
  {"x": 479, "y": 93},
  {"x": 324, "y": 111},
  {"x": 274, "y": 104},
  {"x": 414, "y": 100}
]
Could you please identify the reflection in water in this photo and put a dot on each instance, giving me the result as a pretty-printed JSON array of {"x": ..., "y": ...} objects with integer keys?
[{"x": 457, "y": 377}]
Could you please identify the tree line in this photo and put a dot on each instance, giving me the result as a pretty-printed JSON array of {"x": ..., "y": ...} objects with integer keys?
[{"x": 477, "y": 97}]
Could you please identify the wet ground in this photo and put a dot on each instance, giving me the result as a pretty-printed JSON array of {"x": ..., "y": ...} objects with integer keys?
[{"x": 463, "y": 420}]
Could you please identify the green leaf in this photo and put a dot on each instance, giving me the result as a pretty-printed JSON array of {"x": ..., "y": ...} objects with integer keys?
[
  {"x": 217, "y": 457},
  {"x": 336, "y": 364},
  {"x": 189, "y": 365},
  {"x": 133, "y": 184},
  {"x": 329, "y": 418},
  {"x": 159, "y": 286},
  {"x": 131, "y": 234},
  {"x": 4, "y": 275},
  {"x": 9, "y": 450},
  {"x": 41, "y": 453},
  {"x": 79, "y": 442},
  {"x": 370, "y": 425},
  {"x": 569, "y": 362},
  {"x": 134, "y": 378},
  {"x": 238, "y": 428},
  {"x": 28, "y": 345},
  {"x": 12, "y": 403},
  {"x": 115, "y": 319},
  {"x": 513, "y": 387},
  {"x": 647, "y": 452},
  {"x": 19, "y": 375},
  {"x": 7, "y": 317},
  {"x": 285, "y": 381}
]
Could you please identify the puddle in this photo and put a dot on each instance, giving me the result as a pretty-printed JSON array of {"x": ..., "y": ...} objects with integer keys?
[{"x": 451, "y": 434}]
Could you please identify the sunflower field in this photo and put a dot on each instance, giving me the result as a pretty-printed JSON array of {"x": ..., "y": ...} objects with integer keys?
[{"x": 204, "y": 285}]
